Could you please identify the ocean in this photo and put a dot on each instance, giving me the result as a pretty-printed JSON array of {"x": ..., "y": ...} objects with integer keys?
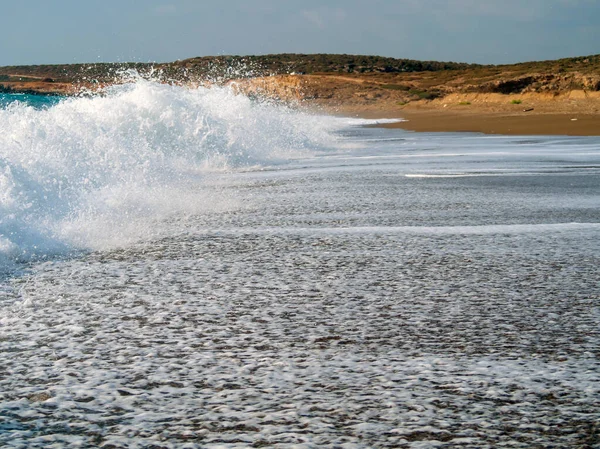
[{"x": 195, "y": 268}]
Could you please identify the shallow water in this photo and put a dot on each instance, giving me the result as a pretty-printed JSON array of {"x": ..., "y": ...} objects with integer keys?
[{"x": 362, "y": 288}]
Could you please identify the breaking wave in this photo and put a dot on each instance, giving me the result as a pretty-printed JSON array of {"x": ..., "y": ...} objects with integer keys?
[{"x": 86, "y": 173}]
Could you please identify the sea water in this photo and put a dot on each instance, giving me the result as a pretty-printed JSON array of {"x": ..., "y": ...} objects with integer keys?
[
  {"x": 36, "y": 101},
  {"x": 193, "y": 268}
]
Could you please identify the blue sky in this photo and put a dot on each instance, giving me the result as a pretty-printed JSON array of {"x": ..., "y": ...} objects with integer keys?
[{"x": 483, "y": 31}]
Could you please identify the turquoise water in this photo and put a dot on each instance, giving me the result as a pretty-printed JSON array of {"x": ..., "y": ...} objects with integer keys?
[{"x": 37, "y": 101}]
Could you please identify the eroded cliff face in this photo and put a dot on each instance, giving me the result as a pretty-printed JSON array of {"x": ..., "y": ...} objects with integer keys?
[
  {"x": 39, "y": 87},
  {"x": 287, "y": 88},
  {"x": 348, "y": 94},
  {"x": 555, "y": 83}
]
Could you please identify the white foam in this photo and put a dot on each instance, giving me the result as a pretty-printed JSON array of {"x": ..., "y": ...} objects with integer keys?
[
  {"x": 90, "y": 172},
  {"x": 429, "y": 175},
  {"x": 366, "y": 122},
  {"x": 422, "y": 230}
]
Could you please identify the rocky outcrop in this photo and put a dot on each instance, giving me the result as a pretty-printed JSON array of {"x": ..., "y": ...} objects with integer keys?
[
  {"x": 542, "y": 83},
  {"x": 287, "y": 88}
]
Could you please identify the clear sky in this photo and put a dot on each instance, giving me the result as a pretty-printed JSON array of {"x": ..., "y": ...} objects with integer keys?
[{"x": 482, "y": 31}]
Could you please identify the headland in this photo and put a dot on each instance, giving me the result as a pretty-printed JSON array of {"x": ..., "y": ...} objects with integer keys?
[{"x": 542, "y": 97}]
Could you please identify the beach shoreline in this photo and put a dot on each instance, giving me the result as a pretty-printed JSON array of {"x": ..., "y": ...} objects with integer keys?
[
  {"x": 549, "y": 120},
  {"x": 571, "y": 113},
  {"x": 533, "y": 124}
]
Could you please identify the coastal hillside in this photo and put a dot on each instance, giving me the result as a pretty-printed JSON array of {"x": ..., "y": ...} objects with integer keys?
[
  {"x": 227, "y": 67},
  {"x": 338, "y": 81}
]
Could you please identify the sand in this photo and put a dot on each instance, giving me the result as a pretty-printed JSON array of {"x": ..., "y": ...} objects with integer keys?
[
  {"x": 575, "y": 113},
  {"x": 491, "y": 114},
  {"x": 532, "y": 124}
]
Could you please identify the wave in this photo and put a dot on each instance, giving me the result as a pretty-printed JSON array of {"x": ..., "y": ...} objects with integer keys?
[{"x": 88, "y": 172}]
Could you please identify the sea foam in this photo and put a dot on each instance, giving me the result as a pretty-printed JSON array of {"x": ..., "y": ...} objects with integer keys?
[{"x": 89, "y": 172}]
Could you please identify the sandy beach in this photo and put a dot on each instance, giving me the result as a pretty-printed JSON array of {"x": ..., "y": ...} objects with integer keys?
[
  {"x": 481, "y": 121},
  {"x": 574, "y": 114},
  {"x": 494, "y": 123}
]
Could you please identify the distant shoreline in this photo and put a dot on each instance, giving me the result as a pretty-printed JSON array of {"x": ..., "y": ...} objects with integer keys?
[
  {"x": 573, "y": 113},
  {"x": 533, "y": 124},
  {"x": 493, "y": 123},
  {"x": 560, "y": 97}
]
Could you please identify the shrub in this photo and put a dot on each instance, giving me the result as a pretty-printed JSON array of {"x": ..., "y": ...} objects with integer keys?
[
  {"x": 395, "y": 87},
  {"x": 424, "y": 95}
]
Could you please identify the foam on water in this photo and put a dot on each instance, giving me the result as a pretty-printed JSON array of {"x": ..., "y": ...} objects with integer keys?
[
  {"x": 514, "y": 229},
  {"x": 340, "y": 304},
  {"x": 355, "y": 121},
  {"x": 92, "y": 172}
]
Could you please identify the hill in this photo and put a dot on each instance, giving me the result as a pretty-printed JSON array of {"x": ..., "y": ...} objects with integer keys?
[{"x": 350, "y": 83}]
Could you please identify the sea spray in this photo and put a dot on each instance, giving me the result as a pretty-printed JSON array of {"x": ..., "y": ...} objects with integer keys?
[{"x": 91, "y": 172}]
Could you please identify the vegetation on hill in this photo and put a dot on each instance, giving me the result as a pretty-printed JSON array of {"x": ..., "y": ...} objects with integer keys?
[
  {"x": 70, "y": 72},
  {"x": 409, "y": 79},
  {"x": 237, "y": 66},
  {"x": 317, "y": 63}
]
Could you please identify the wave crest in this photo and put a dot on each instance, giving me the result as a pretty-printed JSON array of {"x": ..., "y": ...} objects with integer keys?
[{"x": 109, "y": 159}]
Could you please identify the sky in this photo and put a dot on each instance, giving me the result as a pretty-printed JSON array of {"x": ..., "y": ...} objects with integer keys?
[{"x": 475, "y": 31}]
